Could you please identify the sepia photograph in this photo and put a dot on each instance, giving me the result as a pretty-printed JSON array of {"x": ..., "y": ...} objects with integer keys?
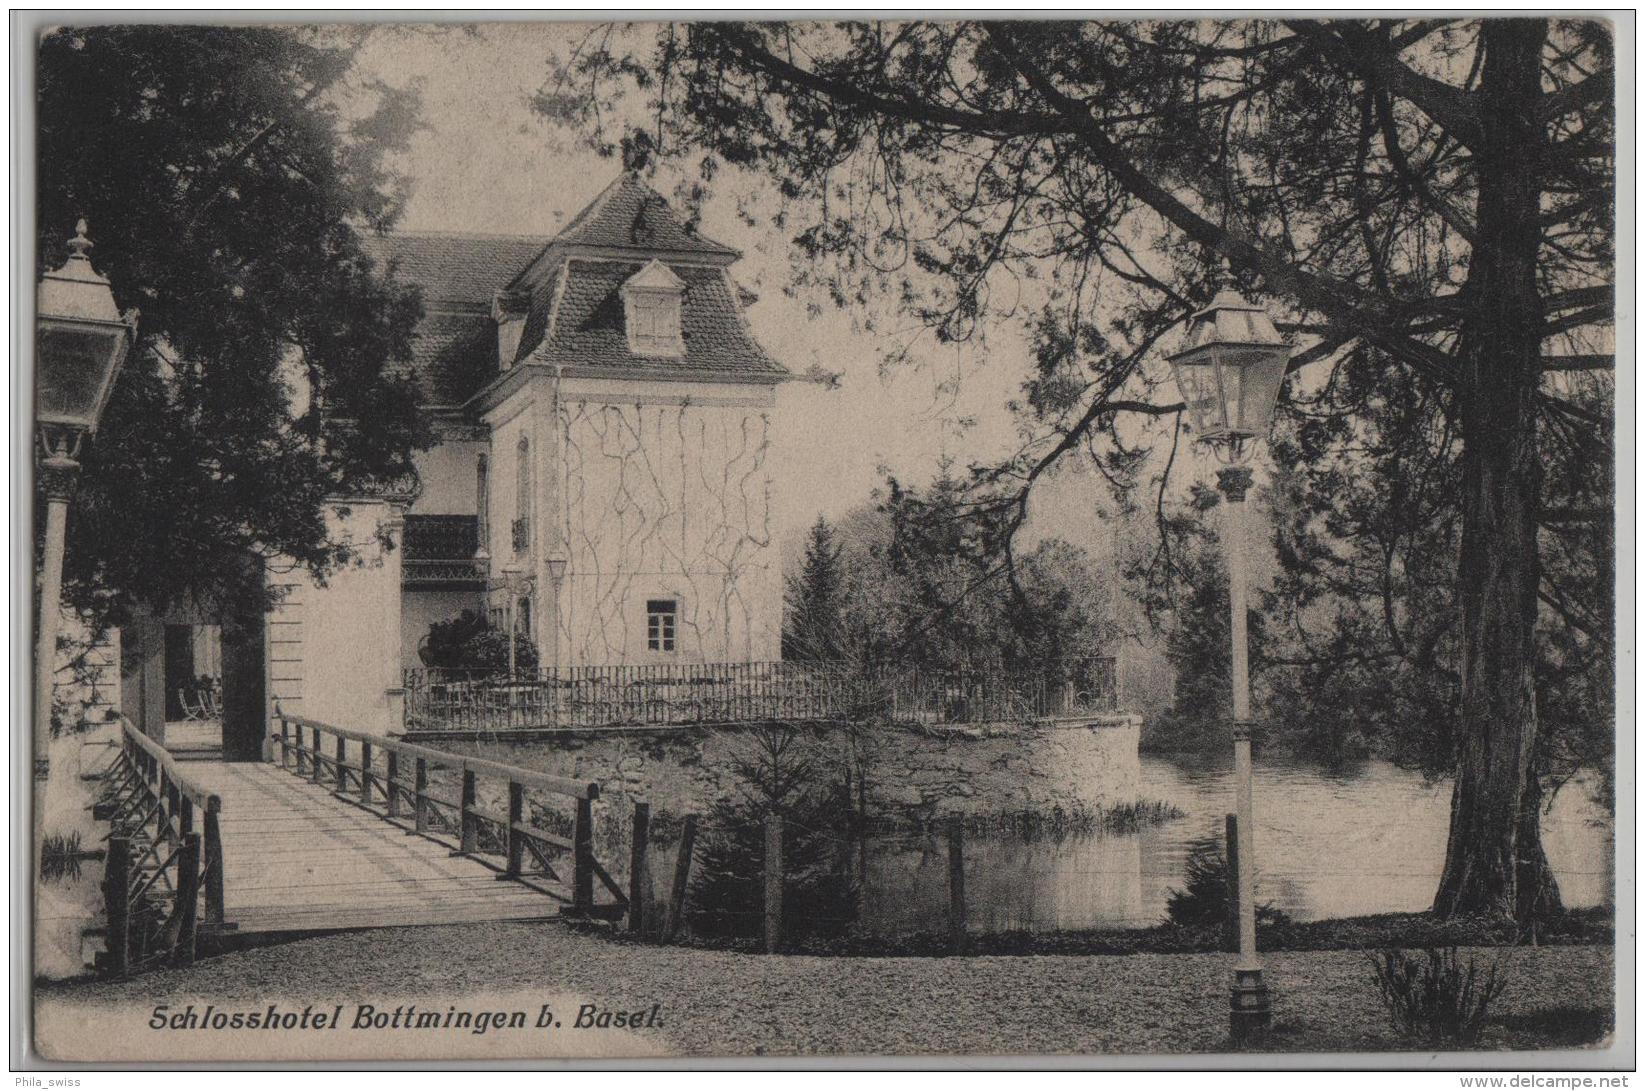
[{"x": 949, "y": 540}]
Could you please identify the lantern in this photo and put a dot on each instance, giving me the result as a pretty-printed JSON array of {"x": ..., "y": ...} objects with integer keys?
[
  {"x": 1229, "y": 370},
  {"x": 81, "y": 339}
]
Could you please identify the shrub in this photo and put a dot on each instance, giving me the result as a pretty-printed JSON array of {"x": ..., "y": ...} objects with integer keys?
[
  {"x": 1203, "y": 900},
  {"x": 1433, "y": 997},
  {"x": 470, "y": 642}
]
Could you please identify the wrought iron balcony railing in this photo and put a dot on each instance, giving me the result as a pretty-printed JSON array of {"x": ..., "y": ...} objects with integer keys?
[
  {"x": 439, "y": 553},
  {"x": 688, "y": 693}
]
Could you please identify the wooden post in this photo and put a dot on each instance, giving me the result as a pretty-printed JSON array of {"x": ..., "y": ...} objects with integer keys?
[
  {"x": 639, "y": 864},
  {"x": 117, "y": 906},
  {"x": 365, "y": 773},
  {"x": 314, "y": 758},
  {"x": 393, "y": 781},
  {"x": 420, "y": 804},
  {"x": 342, "y": 756},
  {"x": 773, "y": 881},
  {"x": 682, "y": 874},
  {"x": 1230, "y": 931},
  {"x": 185, "y": 814},
  {"x": 285, "y": 744},
  {"x": 467, "y": 823},
  {"x": 516, "y": 839},
  {"x": 582, "y": 873},
  {"x": 213, "y": 849},
  {"x": 862, "y": 822},
  {"x": 956, "y": 884},
  {"x": 187, "y": 905}
]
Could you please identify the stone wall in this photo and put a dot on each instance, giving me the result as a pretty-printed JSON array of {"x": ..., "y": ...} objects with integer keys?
[{"x": 904, "y": 772}]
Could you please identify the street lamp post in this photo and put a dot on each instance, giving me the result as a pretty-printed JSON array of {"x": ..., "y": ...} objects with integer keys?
[
  {"x": 515, "y": 583},
  {"x": 556, "y": 578},
  {"x": 81, "y": 339},
  {"x": 1230, "y": 369}
]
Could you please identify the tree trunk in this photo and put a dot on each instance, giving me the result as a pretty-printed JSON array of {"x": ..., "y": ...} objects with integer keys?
[{"x": 1494, "y": 861}]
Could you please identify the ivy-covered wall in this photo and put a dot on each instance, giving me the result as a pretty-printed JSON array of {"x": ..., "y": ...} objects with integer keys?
[{"x": 666, "y": 501}]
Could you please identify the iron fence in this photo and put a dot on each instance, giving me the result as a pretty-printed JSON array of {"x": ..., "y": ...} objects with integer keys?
[{"x": 705, "y": 693}]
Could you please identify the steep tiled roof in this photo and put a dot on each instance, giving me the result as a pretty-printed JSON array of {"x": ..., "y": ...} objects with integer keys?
[
  {"x": 630, "y": 213},
  {"x": 589, "y": 328},
  {"x": 454, "y": 355},
  {"x": 537, "y": 311},
  {"x": 455, "y": 268},
  {"x": 455, "y": 351}
]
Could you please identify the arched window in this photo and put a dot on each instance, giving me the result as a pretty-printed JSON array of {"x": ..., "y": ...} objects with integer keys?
[
  {"x": 482, "y": 501},
  {"x": 522, "y": 504}
]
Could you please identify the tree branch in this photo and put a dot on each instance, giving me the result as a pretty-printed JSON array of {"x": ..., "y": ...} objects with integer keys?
[
  {"x": 1580, "y": 361},
  {"x": 1455, "y": 109},
  {"x": 1598, "y": 87}
]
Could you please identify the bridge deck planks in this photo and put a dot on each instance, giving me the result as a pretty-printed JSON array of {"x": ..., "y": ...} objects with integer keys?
[{"x": 296, "y": 857}]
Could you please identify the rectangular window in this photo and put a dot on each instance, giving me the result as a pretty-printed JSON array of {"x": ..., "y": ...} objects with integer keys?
[
  {"x": 654, "y": 324},
  {"x": 652, "y": 327},
  {"x": 660, "y": 618}
]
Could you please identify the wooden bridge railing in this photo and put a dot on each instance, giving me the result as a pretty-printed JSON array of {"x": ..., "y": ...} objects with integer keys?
[
  {"x": 160, "y": 869},
  {"x": 347, "y": 762}
]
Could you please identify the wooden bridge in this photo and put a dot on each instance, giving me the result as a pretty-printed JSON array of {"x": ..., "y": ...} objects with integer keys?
[{"x": 338, "y": 830}]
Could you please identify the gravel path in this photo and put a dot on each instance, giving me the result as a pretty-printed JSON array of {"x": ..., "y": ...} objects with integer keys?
[{"x": 717, "y": 1003}]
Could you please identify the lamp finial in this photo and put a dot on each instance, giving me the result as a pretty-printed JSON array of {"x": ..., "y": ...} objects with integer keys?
[{"x": 79, "y": 244}]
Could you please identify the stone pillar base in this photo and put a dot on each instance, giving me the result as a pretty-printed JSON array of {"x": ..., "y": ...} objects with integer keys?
[{"x": 1250, "y": 1013}]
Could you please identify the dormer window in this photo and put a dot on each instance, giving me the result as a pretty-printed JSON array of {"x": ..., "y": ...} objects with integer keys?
[
  {"x": 651, "y": 303},
  {"x": 508, "y": 310}
]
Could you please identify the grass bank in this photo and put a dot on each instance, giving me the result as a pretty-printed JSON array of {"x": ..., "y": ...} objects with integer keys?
[{"x": 1409, "y": 930}]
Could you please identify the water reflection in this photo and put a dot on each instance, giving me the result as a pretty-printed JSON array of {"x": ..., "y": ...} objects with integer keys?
[{"x": 1329, "y": 844}]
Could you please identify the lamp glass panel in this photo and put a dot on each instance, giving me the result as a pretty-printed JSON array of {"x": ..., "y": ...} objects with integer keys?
[
  {"x": 1196, "y": 378},
  {"x": 72, "y": 367},
  {"x": 1233, "y": 386},
  {"x": 1264, "y": 372}
]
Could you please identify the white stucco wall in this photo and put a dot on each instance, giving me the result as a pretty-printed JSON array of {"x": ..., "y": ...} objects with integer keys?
[
  {"x": 666, "y": 500},
  {"x": 334, "y": 649},
  {"x": 448, "y": 473}
]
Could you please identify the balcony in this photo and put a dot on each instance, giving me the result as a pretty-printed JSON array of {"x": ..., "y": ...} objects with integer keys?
[{"x": 439, "y": 553}]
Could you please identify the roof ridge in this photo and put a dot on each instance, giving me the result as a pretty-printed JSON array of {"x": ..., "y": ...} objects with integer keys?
[
  {"x": 441, "y": 234},
  {"x": 597, "y": 205},
  {"x": 646, "y": 192}
]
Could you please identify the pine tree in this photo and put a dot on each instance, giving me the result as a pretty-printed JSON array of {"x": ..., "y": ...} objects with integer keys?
[
  {"x": 815, "y": 629},
  {"x": 820, "y": 897}
]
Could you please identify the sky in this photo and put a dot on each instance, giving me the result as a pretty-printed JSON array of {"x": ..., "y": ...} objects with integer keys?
[{"x": 487, "y": 163}]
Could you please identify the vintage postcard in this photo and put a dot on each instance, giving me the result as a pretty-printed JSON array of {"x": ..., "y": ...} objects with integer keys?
[{"x": 939, "y": 538}]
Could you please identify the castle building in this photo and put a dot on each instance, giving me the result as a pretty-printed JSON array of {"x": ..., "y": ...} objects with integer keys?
[{"x": 601, "y": 479}]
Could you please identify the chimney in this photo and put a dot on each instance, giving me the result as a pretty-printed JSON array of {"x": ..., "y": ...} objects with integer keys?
[{"x": 508, "y": 310}]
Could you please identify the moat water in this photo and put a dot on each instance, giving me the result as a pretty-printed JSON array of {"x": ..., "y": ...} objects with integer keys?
[{"x": 1370, "y": 839}]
